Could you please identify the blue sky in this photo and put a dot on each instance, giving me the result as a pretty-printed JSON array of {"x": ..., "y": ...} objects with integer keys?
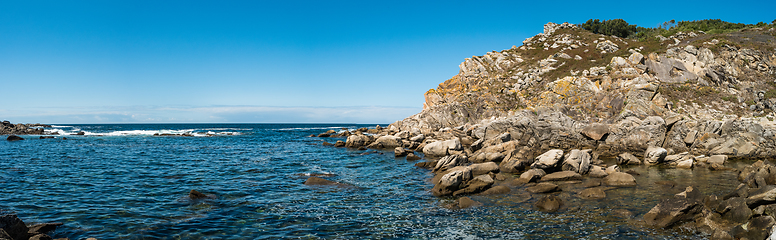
[{"x": 271, "y": 61}]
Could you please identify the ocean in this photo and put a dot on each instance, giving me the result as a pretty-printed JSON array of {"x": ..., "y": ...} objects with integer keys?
[{"x": 131, "y": 181}]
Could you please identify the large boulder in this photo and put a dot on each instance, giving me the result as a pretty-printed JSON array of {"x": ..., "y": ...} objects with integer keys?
[
  {"x": 672, "y": 211},
  {"x": 516, "y": 161},
  {"x": 358, "y": 140},
  {"x": 735, "y": 209},
  {"x": 548, "y": 160},
  {"x": 452, "y": 181},
  {"x": 441, "y": 148},
  {"x": 596, "y": 131},
  {"x": 387, "y": 141},
  {"x": 620, "y": 179},
  {"x": 483, "y": 168},
  {"x": 577, "y": 161},
  {"x": 655, "y": 155},
  {"x": 477, "y": 184}
]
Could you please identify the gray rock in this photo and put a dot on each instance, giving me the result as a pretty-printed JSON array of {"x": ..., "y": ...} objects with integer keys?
[
  {"x": 636, "y": 58},
  {"x": 451, "y": 182},
  {"x": 549, "y": 159},
  {"x": 607, "y": 46},
  {"x": 718, "y": 159},
  {"x": 441, "y": 148},
  {"x": 418, "y": 138},
  {"x": 596, "y": 131},
  {"x": 577, "y": 161},
  {"x": 655, "y": 155}
]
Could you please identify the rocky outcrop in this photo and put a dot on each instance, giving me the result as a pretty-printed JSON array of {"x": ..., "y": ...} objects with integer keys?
[{"x": 7, "y": 128}]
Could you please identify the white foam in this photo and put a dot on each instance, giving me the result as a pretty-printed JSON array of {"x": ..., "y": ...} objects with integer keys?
[{"x": 303, "y": 129}]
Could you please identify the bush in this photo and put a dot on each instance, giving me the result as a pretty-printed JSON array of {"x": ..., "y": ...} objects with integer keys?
[
  {"x": 621, "y": 28},
  {"x": 614, "y": 27}
]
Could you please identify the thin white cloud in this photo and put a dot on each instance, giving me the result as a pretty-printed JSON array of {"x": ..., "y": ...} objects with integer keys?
[{"x": 209, "y": 114}]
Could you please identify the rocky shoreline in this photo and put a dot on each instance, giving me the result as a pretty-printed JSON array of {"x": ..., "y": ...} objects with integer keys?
[{"x": 547, "y": 113}]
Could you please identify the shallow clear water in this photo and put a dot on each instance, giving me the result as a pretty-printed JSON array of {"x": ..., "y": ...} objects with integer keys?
[{"x": 121, "y": 182}]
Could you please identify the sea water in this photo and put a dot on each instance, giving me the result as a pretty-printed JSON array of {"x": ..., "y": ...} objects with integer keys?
[{"x": 131, "y": 181}]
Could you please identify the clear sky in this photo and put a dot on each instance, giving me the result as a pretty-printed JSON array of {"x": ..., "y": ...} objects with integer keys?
[{"x": 272, "y": 61}]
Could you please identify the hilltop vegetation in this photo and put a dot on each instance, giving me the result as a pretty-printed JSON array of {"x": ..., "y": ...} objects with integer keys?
[{"x": 621, "y": 28}]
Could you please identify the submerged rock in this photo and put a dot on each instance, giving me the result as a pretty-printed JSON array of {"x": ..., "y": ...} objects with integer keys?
[
  {"x": 543, "y": 188},
  {"x": 620, "y": 179},
  {"x": 593, "y": 193},
  {"x": 549, "y": 204},
  {"x": 312, "y": 181},
  {"x": 14, "y": 138},
  {"x": 672, "y": 211}
]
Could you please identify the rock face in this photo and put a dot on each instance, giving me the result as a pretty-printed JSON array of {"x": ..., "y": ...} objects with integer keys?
[{"x": 523, "y": 108}]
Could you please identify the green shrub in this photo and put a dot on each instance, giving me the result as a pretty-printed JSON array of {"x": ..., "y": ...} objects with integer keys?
[{"x": 614, "y": 27}]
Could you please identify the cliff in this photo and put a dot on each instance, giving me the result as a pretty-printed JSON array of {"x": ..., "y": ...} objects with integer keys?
[{"x": 691, "y": 87}]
